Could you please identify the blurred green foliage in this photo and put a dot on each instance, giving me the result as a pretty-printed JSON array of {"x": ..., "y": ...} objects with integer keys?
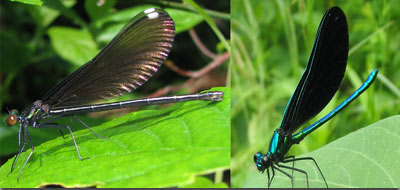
[{"x": 271, "y": 42}]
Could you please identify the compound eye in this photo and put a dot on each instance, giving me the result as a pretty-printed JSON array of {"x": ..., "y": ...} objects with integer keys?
[{"x": 12, "y": 120}]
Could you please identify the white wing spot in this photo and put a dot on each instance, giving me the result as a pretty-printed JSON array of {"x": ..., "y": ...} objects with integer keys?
[
  {"x": 153, "y": 15},
  {"x": 149, "y": 10}
]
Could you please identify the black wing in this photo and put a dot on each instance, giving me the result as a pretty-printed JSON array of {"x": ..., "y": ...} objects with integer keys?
[
  {"x": 128, "y": 61},
  {"x": 324, "y": 71}
]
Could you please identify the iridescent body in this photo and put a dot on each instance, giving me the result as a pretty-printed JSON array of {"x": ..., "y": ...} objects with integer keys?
[{"x": 318, "y": 84}]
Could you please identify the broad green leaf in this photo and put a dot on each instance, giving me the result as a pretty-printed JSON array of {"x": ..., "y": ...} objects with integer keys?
[
  {"x": 121, "y": 16},
  {"x": 204, "y": 183},
  {"x": 14, "y": 54},
  {"x": 76, "y": 46},
  {"x": 184, "y": 20},
  {"x": 30, "y": 2},
  {"x": 368, "y": 157},
  {"x": 44, "y": 15},
  {"x": 111, "y": 24},
  {"x": 151, "y": 148},
  {"x": 108, "y": 33},
  {"x": 63, "y": 8},
  {"x": 95, "y": 10},
  {"x": 9, "y": 135}
]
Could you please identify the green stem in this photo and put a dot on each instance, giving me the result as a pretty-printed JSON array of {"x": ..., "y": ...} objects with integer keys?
[
  {"x": 210, "y": 22},
  {"x": 364, "y": 41},
  {"x": 215, "y": 14}
]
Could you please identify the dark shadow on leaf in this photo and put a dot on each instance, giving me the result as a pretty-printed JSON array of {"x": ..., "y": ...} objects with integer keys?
[
  {"x": 136, "y": 122},
  {"x": 133, "y": 125},
  {"x": 61, "y": 186},
  {"x": 140, "y": 123}
]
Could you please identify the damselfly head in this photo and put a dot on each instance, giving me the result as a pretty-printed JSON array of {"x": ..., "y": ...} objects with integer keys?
[
  {"x": 261, "y": 161},
  {"x": 12, "y": 117}
]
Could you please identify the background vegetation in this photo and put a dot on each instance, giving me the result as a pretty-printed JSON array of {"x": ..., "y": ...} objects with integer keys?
[
  {"x": 42, "y": 41},
  {"x": 271, "y": 43}
]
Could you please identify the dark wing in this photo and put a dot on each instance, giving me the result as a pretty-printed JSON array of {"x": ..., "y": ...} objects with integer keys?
[
  {"x": 128, "y": 61},
  {"x": 324, "y": 71}
]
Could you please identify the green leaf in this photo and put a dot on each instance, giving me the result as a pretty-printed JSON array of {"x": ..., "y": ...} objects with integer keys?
[
  {"x": 30, "y": 2},
  {"x": 76, "y": 46},
  {"x": 108, "y": 33},
  {"x": 14, "y": 53},
  {"x": 9, "y": 135},
  {"x": 121, "y": 16},
  {"x": 184, "y": 20},
  {"x": 44, "y": 15},
  {"x": 365, "y": 158},
  {"x": 111, "y": 24},
  {"x": 151, "y": 148},
  {"x": 66, "y": 11},
  {"x": 204, "y": 183},
  {"x": 96, "y": 11}
]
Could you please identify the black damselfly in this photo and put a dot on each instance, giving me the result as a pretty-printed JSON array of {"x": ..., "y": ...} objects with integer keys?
[
  {"x": 320, "y": 81},
  {"x": 128, "y": 61}
]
